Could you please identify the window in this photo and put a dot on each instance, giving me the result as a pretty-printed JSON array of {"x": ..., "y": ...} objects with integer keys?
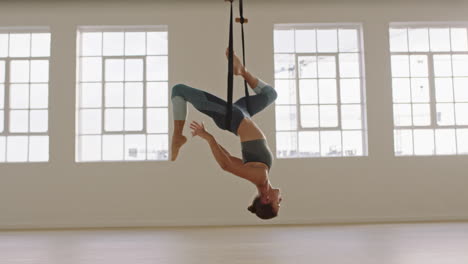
[
  {"x": 320, "y": 109},
  {"x": 430, "y": 89},
  {"x": 24, "y": 85},
  {"x": 122, "y": 94}
]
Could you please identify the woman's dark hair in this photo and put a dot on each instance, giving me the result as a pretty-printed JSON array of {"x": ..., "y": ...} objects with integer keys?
[{"x": 263, "y": 211}]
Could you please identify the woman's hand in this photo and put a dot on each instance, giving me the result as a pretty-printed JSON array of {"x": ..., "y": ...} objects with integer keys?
[
  {"x": 199, "y": 130},
  {"x": 239, "y": 69}
]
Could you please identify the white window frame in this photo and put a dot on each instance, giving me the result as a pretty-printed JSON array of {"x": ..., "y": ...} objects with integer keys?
[
  {"x": 431, "y": 81},
  {"x": 363, "y": 103},
  {"x": 103, "y": 82},
  {"x": 6, "y": 104}
]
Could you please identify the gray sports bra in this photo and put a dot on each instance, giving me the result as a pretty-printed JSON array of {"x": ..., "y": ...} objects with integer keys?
[{"x": 257, "y": 151}]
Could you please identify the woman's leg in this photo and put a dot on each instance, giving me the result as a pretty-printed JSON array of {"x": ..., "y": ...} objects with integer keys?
[
  {"x": 204, "y": 102},
  {"x": 264, "y": 96}
]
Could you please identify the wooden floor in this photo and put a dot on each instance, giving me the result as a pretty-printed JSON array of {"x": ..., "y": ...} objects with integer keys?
[{"x": 354, "y": 244}]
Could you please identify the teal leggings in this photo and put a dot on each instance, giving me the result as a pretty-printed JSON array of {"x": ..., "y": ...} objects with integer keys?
[{"x": 215, "y": 107}]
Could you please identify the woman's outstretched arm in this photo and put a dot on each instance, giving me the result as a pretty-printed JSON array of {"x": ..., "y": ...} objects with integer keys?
[{"x": 221, "y": 156}]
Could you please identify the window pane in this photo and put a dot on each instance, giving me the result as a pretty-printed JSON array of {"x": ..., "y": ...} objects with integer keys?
[
  {"x": 135, "y": 43},
  {"x": 309, "y": 116},
  {"x": 19, "y": 121},
  {"x": 442, "y": 65},
  {"x": 157, "y": 94},
  {"x": 445, "y": 141},
  {"x": 39, "y": 148},
  {"x": 398, "y": 40},
  {"x": 113, "y": 147},
  {"x": 40, "y": 45},
  {"x": 114, "y": 119},
  {"x": 459, "y": 39},
  {"x": 135, "y": 147},
  {"x": 349, "y": 65},
  {"x": 444, "y": 89},
  {"x": 420, "y": 90},
  {"x": 440, "y": 39},
  {"x": 330, "y": 143},
  {"x": 326, "y": 67},
  {"x": 461, "y": 89},
  {"x": 19, "y": 71},
  {"x": 401, "y": 90},
  {"x": 307, "y": 67},
  {"x": 133, "y": 94},
  {"x": 284, "y": 40},
  {"x": 285, "y": 66},
  {"x": 133, "y": 119},
  {"x": 402, "y": 115},
  {"x": 39, "y": 95},
  {"x": 462, "y": 141},
  {"x": 19, "y": 96},
  {"x": 157, "y": 120},
  {"x": 90, "y": 121},
  {"x": 424, "y": 142},
  {"x": 327, "y": 91},
  {"x": 2, "y": 121},
  {"x": 327, "y": 40},
  {"x": 38, "y": 121},
  {"x": 133, "y": 70},
  {"x": 39, "y": 71},
  {"x": 2, "y": 96},
  {"x": 114, "y": 95},
  {"x": 400, "y": 66},
  {"x": 156, "y": 43},
  {"x": 418, "y": 39},
  {"x": 91, "y": 44},
  {"x": 352, "y": 143},
  {"x": 305, "y": 41},
  {"x": 114, "y": 70},
  {"x": 348, "y": 40},
  {"x": 2, "y": 71},
  {"x": 90, "y": 148},
  {"x": 328, "y": 116},
  {"x": 4, "y": 50},
  {"x": 286, "y": 90},
  {"x": 351, "y": 117},
  {"x": 2, "y": 146},
  {"x": 286, "y": 118},
  {"x": 286, "y": 144},
  {"x": 403, "y": 142},
  {"x": 309, "y": 144},
  {"x": 90, "y": 95},
  {"x": 460, "y": 65},
  {"x": 421, "y": 115},
  {"x": 460, "y": 113},
  {"x": 418, "y": 66},
  {"x": 350, "y": 91},
  {"x": 156, "y": 68},
  {"x": 308, "y": 91},
  {"x": 445, "y": 114},
  {"x": 17, "y": 149},
  {"x": 91, "y": 69},
  {"x": 20, "y": 45},
  {"x": 113, "y": 43},
  {"x": 157, "y": 147}
]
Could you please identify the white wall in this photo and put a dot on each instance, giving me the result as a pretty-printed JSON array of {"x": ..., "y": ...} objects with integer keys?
[{"x": 194, "y": 191}]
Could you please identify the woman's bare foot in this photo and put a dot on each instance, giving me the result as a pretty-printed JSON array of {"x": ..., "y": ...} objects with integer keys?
[
  {"x": 238, "y": 67},
  {"x": 177, "y": 142}
]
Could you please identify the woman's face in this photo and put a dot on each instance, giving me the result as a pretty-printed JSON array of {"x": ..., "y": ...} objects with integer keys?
[{"x": 276, "y": 199}]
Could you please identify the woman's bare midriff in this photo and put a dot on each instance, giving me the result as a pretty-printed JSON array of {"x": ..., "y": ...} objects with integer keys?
[{"x": 248, "y": 130}]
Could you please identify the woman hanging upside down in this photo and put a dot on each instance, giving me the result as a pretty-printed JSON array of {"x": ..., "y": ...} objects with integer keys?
[{"x": 256, "y": 156}]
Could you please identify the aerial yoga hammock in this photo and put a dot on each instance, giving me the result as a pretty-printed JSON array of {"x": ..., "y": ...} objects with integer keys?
[{"x": 257, "y": 158}]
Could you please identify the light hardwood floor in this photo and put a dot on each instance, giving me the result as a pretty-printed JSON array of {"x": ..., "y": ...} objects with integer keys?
[{"x": 354, "y": 244}]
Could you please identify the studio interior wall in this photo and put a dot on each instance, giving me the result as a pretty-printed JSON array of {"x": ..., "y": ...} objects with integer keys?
[{"x": 194, "y": 190}]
